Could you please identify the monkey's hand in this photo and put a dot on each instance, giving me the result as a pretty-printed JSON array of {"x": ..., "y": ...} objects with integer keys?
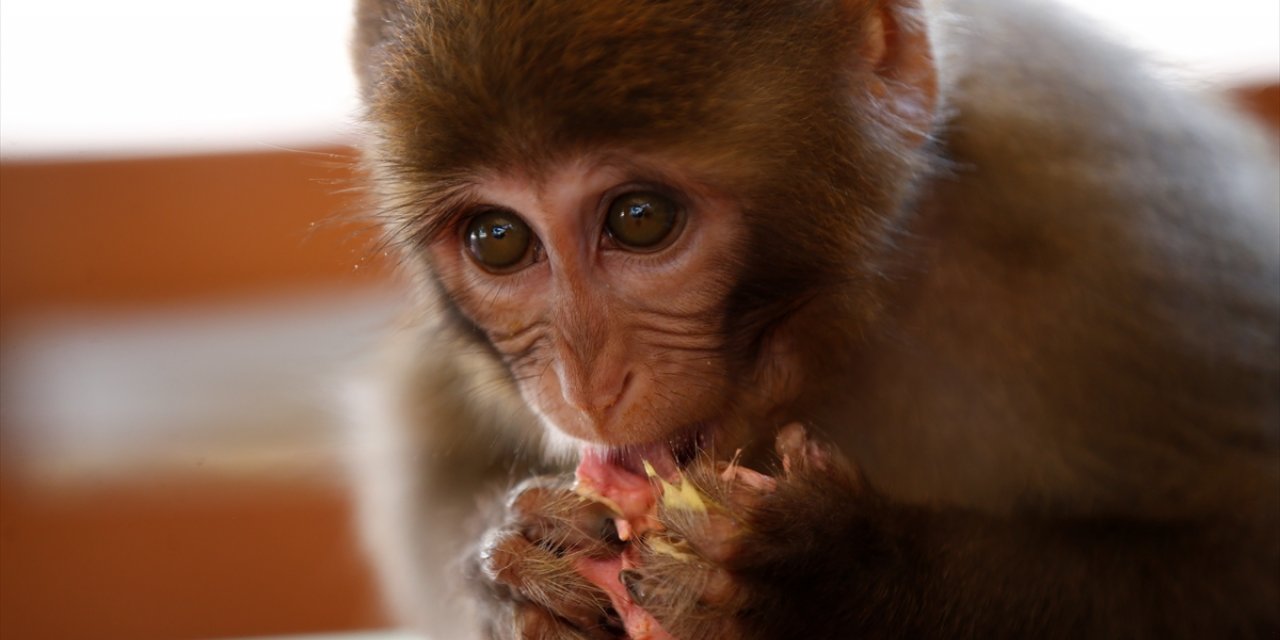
[
  {"x": 528, "y": 565},
  {"x": 726, "y": 544}
]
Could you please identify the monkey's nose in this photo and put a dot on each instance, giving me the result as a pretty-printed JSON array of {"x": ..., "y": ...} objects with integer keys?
[{"x": 597, "y": 393}]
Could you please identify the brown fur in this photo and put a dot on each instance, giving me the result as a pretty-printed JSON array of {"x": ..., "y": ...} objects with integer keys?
[{"x": 1048, "y": 336}]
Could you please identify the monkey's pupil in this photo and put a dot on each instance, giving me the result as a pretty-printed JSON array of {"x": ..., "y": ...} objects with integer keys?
[
  {"x": 498, "y": 240},
  {"x": 642, "y": 220}
]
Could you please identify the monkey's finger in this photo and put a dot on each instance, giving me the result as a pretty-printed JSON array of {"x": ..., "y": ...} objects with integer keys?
[
  {"x": 584, "y": 527},
  {"x": 714, "y": 538},
  {"x": 691, "y": 603},
  {"x": 549, "y": 513},
  {"x": 539, "y": 624},
  {"x": 525, "y": 621},
  {"x": 743, "y": 488},
  {"x": 798, "y": 451},
  {"x": 591, "y": 529},
  {"x": 675, "y": 568},
  {"x": 539, "y": 493},
  {"x": 545, "y": 579}
]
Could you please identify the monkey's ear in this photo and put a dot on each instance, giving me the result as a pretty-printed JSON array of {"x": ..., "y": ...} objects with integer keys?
[{"x": 897, "y": 51}]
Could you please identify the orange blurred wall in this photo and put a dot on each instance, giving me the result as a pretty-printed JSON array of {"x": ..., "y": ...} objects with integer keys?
[
  {"x": 194, "y": 555},
  {"x": 132, "y": 233}
]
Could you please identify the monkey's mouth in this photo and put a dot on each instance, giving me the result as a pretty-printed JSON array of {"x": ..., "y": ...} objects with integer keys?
[
  {"x": 667, "y": 456},
  {"x": 621, "y": 474}
]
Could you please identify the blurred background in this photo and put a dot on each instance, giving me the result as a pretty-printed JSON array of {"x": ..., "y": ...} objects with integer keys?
[{"x": 183, "y": 290}]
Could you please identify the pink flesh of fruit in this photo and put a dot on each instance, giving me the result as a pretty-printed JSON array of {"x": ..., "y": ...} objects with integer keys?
[
  {"x": 618, "y": 477},
  {"x": 602, "y": 475}
]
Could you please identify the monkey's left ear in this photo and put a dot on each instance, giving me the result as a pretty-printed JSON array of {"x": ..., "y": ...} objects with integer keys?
[{"x": 903, "y": 78}]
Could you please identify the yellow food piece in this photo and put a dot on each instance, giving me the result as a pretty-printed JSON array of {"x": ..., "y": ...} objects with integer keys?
[
  {"x": 658, "y": 545},
  {"x": 683, "y": 497}
]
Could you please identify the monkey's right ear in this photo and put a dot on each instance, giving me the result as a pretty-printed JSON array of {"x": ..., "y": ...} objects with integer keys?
[{"x": 897, "y": 52}]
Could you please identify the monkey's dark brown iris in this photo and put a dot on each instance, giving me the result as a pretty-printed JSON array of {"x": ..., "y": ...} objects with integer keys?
[
  {"x": 643, "y": 221},
  {"x": 498, "y": 240}
]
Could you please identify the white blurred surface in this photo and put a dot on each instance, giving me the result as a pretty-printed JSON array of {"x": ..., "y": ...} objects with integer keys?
[
  {"x": 1227, "y": 41},
  {"x": 246, "y": 388},
  {"x": 128, "y": 77},
  {"x": 89, "y": 78}
]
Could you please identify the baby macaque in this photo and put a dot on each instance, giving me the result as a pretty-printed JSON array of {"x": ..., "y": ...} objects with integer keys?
[{"x": 815, "y": 319}]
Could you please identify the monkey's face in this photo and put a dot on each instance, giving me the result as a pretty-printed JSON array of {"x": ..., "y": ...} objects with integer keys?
[
  {"x": 633, "y": 202},
  {"x": 602, "y": 283}
]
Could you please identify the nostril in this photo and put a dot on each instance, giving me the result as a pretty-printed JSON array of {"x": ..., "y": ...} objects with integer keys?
[{"x": 618, "y": 394}]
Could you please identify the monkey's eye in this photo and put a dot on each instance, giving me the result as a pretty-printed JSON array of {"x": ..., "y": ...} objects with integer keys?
[
  {"x": 499, "y": 241},
  {"x": 643, "y": 220}
]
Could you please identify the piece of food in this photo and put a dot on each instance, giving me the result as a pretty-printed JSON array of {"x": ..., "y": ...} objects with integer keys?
[
  {"x": 639, "y": 485},
  {"x": 633, "y": 497}
]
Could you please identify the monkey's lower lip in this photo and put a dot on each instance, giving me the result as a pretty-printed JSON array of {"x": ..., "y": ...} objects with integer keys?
[
  {"x": 619, "y": 473},
  {"x": 666, "y": 457}
]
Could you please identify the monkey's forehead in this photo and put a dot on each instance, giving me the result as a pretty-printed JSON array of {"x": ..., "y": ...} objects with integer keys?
[{"x": 456, "y": 84}]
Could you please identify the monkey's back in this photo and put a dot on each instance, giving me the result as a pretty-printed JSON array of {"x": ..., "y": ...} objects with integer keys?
[{"x": 1098, "y": 326}]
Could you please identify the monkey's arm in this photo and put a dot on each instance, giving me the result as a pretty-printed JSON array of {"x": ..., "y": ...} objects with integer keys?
[
  {"x": 425, "y": 446},
  {"x": 824, "y": 556},
  {"x": 903, "y": 571}
]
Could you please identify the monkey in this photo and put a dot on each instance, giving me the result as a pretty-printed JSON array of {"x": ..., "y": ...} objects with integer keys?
[{"x": 963, "y": 322}]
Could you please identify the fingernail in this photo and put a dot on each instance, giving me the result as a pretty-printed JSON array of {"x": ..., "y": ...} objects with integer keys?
[{"x": 632, "y": 580}]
